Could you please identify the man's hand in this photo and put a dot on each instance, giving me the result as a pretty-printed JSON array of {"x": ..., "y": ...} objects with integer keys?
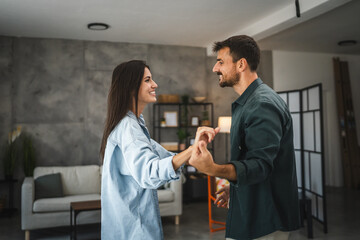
[
  {"x": 206, "y": 134},
  {"x": 222, "y": 200},
  {"x": 201, "y": 158}
]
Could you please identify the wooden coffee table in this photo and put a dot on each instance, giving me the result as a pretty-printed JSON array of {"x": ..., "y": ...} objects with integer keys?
[{"x": 78, "y": 207}]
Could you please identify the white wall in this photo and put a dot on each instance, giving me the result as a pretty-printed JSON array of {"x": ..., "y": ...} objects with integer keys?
[{"x": 294, "y": 70}]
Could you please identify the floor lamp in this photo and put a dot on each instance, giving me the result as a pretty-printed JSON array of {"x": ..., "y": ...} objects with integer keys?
[{"x": 224, "y": 123}]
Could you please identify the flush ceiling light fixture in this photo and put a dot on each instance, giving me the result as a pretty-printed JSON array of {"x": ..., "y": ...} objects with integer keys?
[
  {"x": 347, "y": 43},
  {"x": 98, "y": 26}
]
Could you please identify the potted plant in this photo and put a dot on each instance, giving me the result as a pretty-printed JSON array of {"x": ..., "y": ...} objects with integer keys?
[
  {"x": 11, "y": 151},
  {"x": 162, "y": 122},
  {"x": 185, "y": 99},
  {"x": 182, "y": 134},
  {"x": 29, "y": 159}
]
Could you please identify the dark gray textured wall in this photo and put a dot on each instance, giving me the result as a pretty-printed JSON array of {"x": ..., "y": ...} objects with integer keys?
[
  {"x": 6, "y": 46},
  {"x": 57, "y": 89}
]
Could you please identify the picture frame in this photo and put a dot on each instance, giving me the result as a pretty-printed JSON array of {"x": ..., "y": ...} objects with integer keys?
[
  {"x": 194, "y": 121},
  {"x": 171, "y": 119}
]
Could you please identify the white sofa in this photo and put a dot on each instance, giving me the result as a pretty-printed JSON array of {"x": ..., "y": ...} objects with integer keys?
[{"x": 80, "y": 183}]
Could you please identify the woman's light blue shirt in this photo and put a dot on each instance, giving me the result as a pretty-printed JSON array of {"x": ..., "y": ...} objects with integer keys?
[{"x": 134, "y": 167}]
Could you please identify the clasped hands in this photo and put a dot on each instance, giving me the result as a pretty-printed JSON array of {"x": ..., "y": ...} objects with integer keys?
[
  {"x": 201, "y": 158},
  {"x": 203, "y": 161}
]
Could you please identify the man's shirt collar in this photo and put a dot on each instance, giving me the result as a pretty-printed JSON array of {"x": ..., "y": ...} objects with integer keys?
[{"x": 249, "y": 90}]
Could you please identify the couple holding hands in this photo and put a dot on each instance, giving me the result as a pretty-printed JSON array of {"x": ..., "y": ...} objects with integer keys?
[{"x": 262, "y": 175}]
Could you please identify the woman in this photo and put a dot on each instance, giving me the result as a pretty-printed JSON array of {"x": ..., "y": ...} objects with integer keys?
[{"x": 134, "y": 165}]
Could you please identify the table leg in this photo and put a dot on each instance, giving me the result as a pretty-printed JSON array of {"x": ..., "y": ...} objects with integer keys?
[
  {"x": 71, "y": 224},
  {"x": 75, "y": 214}
]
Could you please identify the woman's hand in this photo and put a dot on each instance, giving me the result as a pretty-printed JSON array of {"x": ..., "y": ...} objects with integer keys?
[
  {"x": 206, "y": 134},
  {"x": 182, "y": 158}
]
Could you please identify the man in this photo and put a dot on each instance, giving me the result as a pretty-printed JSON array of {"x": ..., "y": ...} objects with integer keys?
[{"x": 263, "y": 187}]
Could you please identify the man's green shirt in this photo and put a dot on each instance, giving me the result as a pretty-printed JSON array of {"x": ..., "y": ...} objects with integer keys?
[{"x": 264, "y": 198}]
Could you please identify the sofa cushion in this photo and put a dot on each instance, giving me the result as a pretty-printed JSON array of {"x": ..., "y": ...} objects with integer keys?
[
  {"x": 75, "y": 179},
  {"x": 165, "y": 196},
  {"x": 48, "y": 186},
  {"x": 61, "y": 204}
]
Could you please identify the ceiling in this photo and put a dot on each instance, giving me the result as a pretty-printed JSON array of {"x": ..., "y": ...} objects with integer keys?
[
  {"x": 189, "y": 22},
  {"x": 322, "y": 33}
]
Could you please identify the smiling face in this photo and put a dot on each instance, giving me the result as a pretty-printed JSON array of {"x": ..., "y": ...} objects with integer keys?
[
  {"x": 226, "y": 68},
  {"x": 147, "y": 89}
]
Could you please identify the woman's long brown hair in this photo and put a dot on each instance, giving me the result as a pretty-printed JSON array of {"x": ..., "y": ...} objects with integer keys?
[{"x": 125, "y": 85}]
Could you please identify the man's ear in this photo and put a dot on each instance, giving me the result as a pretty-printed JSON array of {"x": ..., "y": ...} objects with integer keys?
[{"x": 241, "y": 64}]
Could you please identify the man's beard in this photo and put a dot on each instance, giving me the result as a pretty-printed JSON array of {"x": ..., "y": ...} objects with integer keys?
[{"x": 231, "y": 81}]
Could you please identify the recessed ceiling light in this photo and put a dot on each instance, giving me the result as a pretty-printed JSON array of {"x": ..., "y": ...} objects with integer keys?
[
  {"x": 347, "y": 43},
  {"x": 98, "y": 26}
]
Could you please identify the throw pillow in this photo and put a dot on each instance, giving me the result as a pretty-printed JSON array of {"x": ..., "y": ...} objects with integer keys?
[{"x": 48, "y": 186}]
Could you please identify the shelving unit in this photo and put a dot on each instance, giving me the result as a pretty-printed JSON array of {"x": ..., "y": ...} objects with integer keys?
[{"x": 195, "y": 187}]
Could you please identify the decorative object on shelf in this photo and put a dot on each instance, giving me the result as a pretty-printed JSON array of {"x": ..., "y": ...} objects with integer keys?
[
  {"x": 168, "y": 98},
  {"x": 195, "y": 121},
  {"x": 182, "y": 135},
  {"x": 11, "y": 151},
  {"x": 171, "y": 119},
  {"x": 162, "y": 122},
  {"x": 205, "y": 121},
  {"x": 29, "y": 159},
  {"x": 224, "y": 122},
  {"x": 198, "y": 99}
]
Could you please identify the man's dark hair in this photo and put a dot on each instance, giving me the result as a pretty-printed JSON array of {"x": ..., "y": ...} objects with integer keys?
[{"x": 241, "y": 46}]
